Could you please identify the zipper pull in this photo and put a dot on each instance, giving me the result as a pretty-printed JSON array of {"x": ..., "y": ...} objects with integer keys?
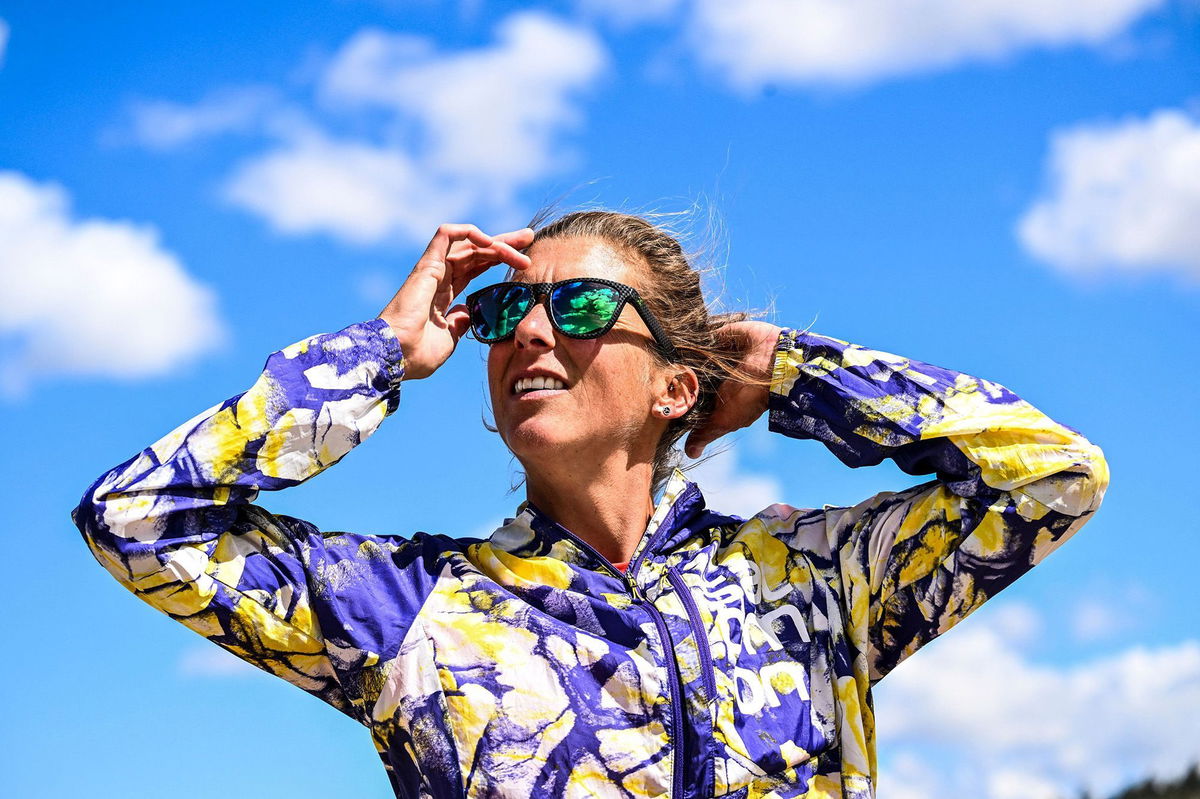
[{"x": 633, "y": 589}]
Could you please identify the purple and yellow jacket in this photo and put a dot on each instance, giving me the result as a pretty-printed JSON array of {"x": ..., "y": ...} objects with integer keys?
[{"x": 735, "y": 657}]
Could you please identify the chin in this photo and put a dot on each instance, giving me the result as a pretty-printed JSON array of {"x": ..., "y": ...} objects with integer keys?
[{"x": 530, "y": 437}]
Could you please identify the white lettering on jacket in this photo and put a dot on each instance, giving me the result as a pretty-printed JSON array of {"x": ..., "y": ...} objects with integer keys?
[
  {"x": 755, "y": 689},
  {"x": 738, "y": 603},
  {"x": 730, "y": 605}
]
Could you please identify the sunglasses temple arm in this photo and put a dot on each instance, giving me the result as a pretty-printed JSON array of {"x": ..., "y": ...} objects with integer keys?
[{"x": 660, "y": 335}]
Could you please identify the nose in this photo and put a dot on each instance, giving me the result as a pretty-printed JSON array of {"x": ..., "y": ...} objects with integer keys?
[{"x": 535, "y": 330}]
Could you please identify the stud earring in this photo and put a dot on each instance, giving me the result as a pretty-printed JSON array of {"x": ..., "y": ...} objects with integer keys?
[{"x": 666, "y": 410}]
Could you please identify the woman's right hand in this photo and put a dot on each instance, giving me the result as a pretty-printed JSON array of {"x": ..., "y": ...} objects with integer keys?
[{"x": 427, "y": 328}]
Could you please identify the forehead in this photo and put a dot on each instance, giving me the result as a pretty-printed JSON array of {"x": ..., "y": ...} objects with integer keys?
[{"x": 566, "y": 258}]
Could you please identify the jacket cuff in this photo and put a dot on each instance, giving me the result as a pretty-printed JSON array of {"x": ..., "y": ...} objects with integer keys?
[{"x": 387, "y": 349}]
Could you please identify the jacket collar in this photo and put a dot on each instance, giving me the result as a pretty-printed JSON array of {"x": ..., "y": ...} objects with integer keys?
[{"x": 532, "y": 533}]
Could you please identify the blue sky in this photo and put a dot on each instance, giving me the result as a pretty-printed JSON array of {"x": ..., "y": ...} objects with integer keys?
[{"x": 1010, "y": 192}]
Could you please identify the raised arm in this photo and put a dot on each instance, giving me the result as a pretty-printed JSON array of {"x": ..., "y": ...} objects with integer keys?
[
  {"x": 176, "y": 525},
  {"x": 1012, "y": 485}
]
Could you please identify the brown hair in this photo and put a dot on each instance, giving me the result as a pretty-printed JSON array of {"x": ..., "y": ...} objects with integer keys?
[{"x": 673, "y": 293}]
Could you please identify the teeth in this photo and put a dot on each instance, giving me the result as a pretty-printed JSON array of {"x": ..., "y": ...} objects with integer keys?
[{"x": 537, "y": 383}]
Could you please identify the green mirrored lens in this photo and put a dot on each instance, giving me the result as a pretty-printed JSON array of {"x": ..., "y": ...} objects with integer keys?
[
  {"x": 582, "y": 308},
  {"x": 496, "y": 313}
]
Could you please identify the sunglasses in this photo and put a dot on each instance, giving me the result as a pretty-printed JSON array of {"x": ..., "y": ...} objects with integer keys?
[{"x": 580, "y": 308}]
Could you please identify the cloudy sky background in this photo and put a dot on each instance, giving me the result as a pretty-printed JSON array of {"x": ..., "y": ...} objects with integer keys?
[{"x": 1010, "y": 189}]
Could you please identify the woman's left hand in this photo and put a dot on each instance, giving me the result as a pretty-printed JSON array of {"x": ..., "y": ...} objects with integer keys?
[{"x": 739, "y": 404}]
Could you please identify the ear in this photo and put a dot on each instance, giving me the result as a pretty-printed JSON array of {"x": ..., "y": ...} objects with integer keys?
[{"x": 677, "y": 389}]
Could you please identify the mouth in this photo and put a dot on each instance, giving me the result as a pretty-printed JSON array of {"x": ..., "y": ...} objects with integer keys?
[{"x": 537, "y": 386}]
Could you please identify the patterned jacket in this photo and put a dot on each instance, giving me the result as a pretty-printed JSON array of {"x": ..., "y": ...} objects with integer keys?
[{"x": 735, "y": 657}]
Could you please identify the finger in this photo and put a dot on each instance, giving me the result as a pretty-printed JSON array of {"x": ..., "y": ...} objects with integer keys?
[
  {"x": 471, "y": 261},
  {"x": 730, "y": 336},
  {"x": 461, "y": 279},
  {"x": 520, "y": 239},
  {"x": 445, "y": 237},
  {"x": 515, "y": 239},
  {"x": 504, "y": 253},
  {"x": 470, "y": 268},
  {"x": 458, "y": 319},
  {"x": 695, "y": 444}
]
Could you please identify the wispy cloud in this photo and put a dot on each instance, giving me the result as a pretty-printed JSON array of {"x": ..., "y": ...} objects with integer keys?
[
  {"x": 209, "y": 660},
  {"x": 729, "y": 489},
  {"x": 401, "y": 135},
  {"x": 91, "y": 296},
  {"x": 1111, "y": 611},
  {"x": 3, "y": 39},
  {"x": 1121, "y": 196},
  {"x": 1095, "y": 620},
  {"x": 817, "y": 42},
  {"x": 1017, "y": 728},
  {"x": 165, "y": 125}
]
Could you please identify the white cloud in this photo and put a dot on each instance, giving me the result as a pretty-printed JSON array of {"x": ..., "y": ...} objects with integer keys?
[
  {"x": 3, "y": 39},
  {"x": 91, "y": 296},
  {"x": 453, "y": 135},
  {"x": 1108, "y": 611},
  {"x": 910, "y": 777},
  {"x": 357, "y": 192},
  {"x": 466, "y": 131},
  {"x": 492, "y": 114},
  {"x": 209, "y": 660},
  {"x": 1123, "y": 195},
  {"x": 1024, "y": 729},
  {"x": 1094, "y": 620},
  {"x": 1015, "y": 622},
  {"x": 729, "y": 490},
  {"x": 857, "y": 41},
  {"x": 164, "y": 125}
]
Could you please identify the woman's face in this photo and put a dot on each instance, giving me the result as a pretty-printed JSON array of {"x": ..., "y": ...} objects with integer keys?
[{"x": 607, "y": 401}]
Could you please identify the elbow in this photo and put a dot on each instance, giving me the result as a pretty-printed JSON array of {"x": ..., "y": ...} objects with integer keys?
[
  {"x": 109, "y": 526},
  {"x": 104, "y": 543},
  {"x": 1096, "y": 480},
  {"x": 88, "y": 515},
  {"x": 1073, "y": 483},
  {"x": 116, "y": 509},
  {"x": 1082, "y": 486}
]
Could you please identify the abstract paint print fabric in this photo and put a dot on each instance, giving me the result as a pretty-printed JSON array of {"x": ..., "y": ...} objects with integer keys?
[{"x": 734, "y": 657}]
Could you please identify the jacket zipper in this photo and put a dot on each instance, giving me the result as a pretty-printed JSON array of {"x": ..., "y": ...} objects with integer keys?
[
  {"x": 707, "y": 674},
  {"x": 698, "y": 632},
  {"x": 674, "y": 684},
  {"x": 674, "y": 681}
]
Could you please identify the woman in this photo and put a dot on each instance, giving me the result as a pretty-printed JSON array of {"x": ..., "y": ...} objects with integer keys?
[{"x": 601, "y": 643}]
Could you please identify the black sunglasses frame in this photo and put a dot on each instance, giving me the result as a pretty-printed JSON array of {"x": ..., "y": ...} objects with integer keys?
[{"x": 544, "y": 290}]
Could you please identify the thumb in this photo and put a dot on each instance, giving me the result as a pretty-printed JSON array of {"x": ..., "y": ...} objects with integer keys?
[{"x": 695, "y": 444}]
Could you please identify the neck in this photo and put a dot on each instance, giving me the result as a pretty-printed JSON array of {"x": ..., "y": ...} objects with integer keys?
[{"x": 605, "y": 502}]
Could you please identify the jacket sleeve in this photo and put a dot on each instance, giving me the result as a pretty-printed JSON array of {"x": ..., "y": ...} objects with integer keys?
[
  {"x": 1011, "y": 485},
  {"x": 175, "y": 524}
]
